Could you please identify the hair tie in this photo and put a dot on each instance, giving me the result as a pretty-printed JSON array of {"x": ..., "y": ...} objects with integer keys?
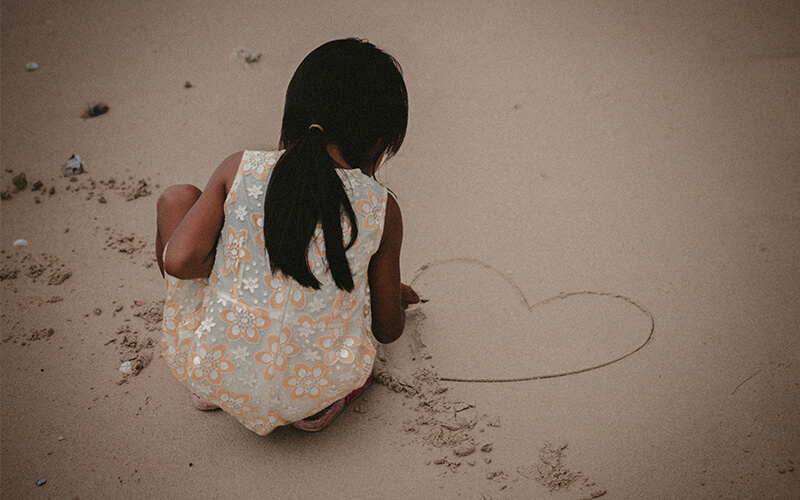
[{"x": 314, "y": 125}]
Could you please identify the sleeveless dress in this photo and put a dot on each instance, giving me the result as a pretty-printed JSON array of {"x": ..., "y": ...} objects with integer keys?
[{"x": 261, "y": 346}]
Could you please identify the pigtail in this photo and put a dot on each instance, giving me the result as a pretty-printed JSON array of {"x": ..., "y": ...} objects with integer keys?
[
  {"x": 357, "y": 93},
  {"x": 303, "y": 191}
]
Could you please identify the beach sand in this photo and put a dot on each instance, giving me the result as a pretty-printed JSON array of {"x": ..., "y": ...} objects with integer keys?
[{"x": 601, "y": 205}]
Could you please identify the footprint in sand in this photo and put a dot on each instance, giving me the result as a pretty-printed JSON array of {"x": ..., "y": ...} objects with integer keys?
[{"x": 479, "y": 327}]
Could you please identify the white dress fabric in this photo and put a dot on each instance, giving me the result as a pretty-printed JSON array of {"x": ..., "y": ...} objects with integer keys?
[{"x": 261, "y": 346}]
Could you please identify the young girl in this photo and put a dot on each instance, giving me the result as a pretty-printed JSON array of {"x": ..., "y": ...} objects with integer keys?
[{"x": 280, "y": 273}]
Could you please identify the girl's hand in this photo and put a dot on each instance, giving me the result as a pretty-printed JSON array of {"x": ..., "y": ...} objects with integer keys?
[{"x": 408, "y": 296}]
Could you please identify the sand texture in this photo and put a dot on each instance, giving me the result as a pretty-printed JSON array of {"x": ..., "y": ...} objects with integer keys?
[{"x": 601, "y": 203}]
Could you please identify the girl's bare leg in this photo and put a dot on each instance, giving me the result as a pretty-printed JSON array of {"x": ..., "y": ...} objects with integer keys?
[{"x": 173, "y": 205}]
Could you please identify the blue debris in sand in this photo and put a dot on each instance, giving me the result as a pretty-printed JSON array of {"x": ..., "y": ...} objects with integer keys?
[
  {"x": 41, "y": 482},
  {"x": 74, "y": 166}
]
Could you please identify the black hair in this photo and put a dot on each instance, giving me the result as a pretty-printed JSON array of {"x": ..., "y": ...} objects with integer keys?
[{"x": 356, "y": 95}]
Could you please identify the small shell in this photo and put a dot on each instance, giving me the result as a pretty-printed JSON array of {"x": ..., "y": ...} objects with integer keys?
[
  {"x": 126, "y": 368},
  {"x": 21, "y": 243},
  {"x": 31, "y": 66},
  {"x": 73, "y": 166}
]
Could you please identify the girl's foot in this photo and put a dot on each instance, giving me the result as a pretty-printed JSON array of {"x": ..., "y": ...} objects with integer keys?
[
  {"x": 324, "y": 418},
  {"x": 202, "y": 404}
]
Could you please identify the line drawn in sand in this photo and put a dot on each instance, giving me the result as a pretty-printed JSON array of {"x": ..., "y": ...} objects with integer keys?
[
  {"x": 460, "y": 436},
  {"x": 417, "y": 346}
]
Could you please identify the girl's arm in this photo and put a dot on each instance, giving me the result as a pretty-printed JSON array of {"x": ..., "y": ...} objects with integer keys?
[
  {"x": 388, "y": 295},
  {"x": 192, "y": 247}
]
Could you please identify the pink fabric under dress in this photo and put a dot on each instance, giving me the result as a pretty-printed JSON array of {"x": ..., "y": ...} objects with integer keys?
[{"x": 261, "y": 346}]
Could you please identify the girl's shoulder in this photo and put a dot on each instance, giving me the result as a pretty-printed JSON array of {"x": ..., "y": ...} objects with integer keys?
[
  {"x": 245, "y": 163},
  {"x": 258, "y": 163},
  {"x": 227, "y": 171},
  {"x": 362, "y": 182}
]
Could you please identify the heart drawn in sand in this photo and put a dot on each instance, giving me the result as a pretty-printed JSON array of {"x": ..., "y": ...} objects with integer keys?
[{"x": 478, "y": 326}]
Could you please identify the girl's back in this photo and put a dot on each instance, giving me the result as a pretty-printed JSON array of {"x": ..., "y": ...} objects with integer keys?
[{"x": 260, "y": 345}]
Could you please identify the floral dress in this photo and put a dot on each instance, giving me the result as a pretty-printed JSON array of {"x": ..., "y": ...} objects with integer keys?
[{"x": 261, "y": 346}]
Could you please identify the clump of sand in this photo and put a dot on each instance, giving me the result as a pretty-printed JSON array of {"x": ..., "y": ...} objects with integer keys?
[
  {"x": 41, "y": 267},
  {"x": 124, "y": 243},
  {"x": 440, "y": 421},
  {"x": 41, "y": 333},
  {"x": 550, "y": 471},
  {"x": 136, "y": 340},
  {"x": 10, "y": 335},
  {"x": 129, "y": 189},
  {"x": 131, "y": 244}
]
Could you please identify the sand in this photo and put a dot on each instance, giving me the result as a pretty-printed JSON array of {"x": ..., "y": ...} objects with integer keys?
[{"x": 601, "y": 211}]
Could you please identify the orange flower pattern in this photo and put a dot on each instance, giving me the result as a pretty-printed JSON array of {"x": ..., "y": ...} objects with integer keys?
[
  {"x": 338, "y": 346},
  {"x": 245, "y": 323},
  {"x": 177, "y": 357},
  {"x": 373, "y": 209},
  {"x": 234, "y": 403},
  {"x": 307, "y": 381},
  {"x": 229, "y": 200},
  {"x": 276, "y": 357},
  {"x": 258, "y": 163},
  {"x": 258, "y": 222},
  {"x": 210, "y": 363},
  {"x": 285, "y": 291},
  {"x": 234, "y": 251},
  {"x": 171, "y": 311},
  {"x": 265, "y": 349}
]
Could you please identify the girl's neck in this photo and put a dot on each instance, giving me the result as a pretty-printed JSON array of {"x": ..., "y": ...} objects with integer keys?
[{"x": 335, "y": 153}]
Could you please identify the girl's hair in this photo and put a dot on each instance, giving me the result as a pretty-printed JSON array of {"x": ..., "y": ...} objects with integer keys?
[{"x": 356, "y": 94}]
